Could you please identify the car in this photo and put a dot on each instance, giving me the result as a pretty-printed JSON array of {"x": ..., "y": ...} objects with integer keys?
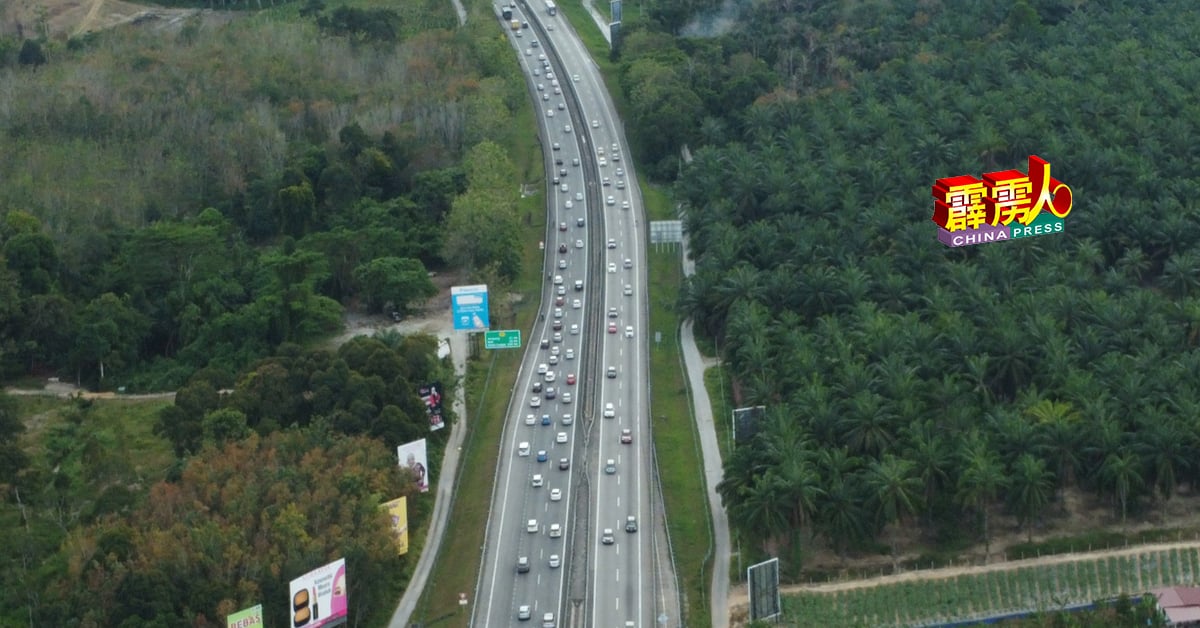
[
  {"x": 558, "y": 280},
  {"x": 557, "y": 337},
  {"x": 563, "y": 188},
  {"x": 541, "y": 57},
  {"x": 555, "y": 350},
  {"x": 558, "y": 312},
  {"x": 570, "y": 379},
  {"x": 537, "y": 72},
  {"x": 628, "y": 290},
  {"x": 549, "y": 74},
  {"x": 534, "y": 43},
  {"x": 523, "y": 449},
  {"x": 576, "y": 304},
  {"x": 567, "y": 419},
  {"x": 606, "y": 181},
  {"x": 570, "y": 354},
  {"x": 555, "y": 81},
  {"x": 610, "y": 201},
  {"x": 558, "y": 161},
  {"x": 554, "y": 561},
  {"x": 575, "y": 77},
  {"x": 536, "y": 481},
  {"x": 629, "y": 331},
  {"x": 600, "y": 151},
  {"x": 555, "y": 495},
  {"x": 550, "y": 376},
  {"x": 566, "y": 397},
  {"x": 558, "y": 92},
  {"x": 612, "y": 374},
  {"x": 548, "y": 620},
  {"x": 568, "y": 204},
  {"x": 553, "y": 359},
  {"x": 546, "y": 419},
  {"x": 574, "y": 330},
  {"x": 541, "y": 455},
  {"x": 562, "y": 172},
  {"x": 612, "y": 312},
  {"x": 523, "y": 613},
  {"x": 612, "y": 267},
  {"x": 607, "y": 536},
  {"x": 595, "y": 124},
  {"x": 575, "y": 161},
  {"x": 555, "y": 146},
  {"x": 559, "y": 300},
  {"x": 550, "y": 26},
  {"x": 562, "y": 107},
  {"x": 579, "y": 196},
  {"x": 602, "y": 162},
  {"x": 609, "y": 411},
  {"x": 560, "y": 290},
  {"x": 528, "y": 52},
  {"x": 532, "y": 526},
  {"x": 625, "y": 205},
  {"x": 518, "y": 34},
  {"x": 537, "y": 387},
  {"x": 535, "y": 402},
  {"x": 628, "y": 263},
  {"x": 612, "y": 328},
  {"x": 546, "y": 97},
  {"x": 555, "y": 530},
  {"x": 529, "y": 419},
  {"x": 615, "y": 148},
  {"x": 564, "y": 464},
  {"x": 626, "y": 436},
  {"x": 610, "y": 466},
  {"x": 542, "y": 368},
  {"x": 579, "y": 244},
  {"x": 551, "y": 393},
  {"x": 541, "y": 87},
  {"x": 562, "y": 265},
  {"x": 566, "y": 127},
  {"x": 620, "y": 184},
  {"x": 561, "y": 438},
  {"x": 616, "y": 157},
  {"x": 523, "y": 564},
  {"x": 562, "y": 226},
  {"x": 578, "y": 285},
  {"x": 579, "y": 222},
  {"x": 612, "y": 243},
  {"x": 631, "y": 523},
  {"x": 562, "y": 248},
  {"x": 620, "y": 172}
]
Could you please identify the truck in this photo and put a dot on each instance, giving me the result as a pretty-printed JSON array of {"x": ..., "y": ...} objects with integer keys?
[
  {"x": 506, "y": 12},
  {"x": 551, "y": 8},
  {"x": 516, "y": 25}
]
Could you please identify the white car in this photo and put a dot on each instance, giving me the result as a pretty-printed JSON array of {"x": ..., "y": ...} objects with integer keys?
[
  {"x": 579, "y": 196},
  {"x": 529, "y": 419},
  {"x": 624, "y": 204},
  {"x": 610, "y": 201},
  {"x": 612, "y": 243},
  {"x": 532, "y": 526},
  {"x": 628, "y": 263},
  {"x": 579, "y": 244},
  {"x": 550, "y": 377},
  {"x": 535, "y": 402},
  {"x": 562, "y": 264},
  {"x": 555, "y": 494},
  {"x": 555, "y": 530},
  {"x": 569, "y": 204},
  {"x": 607, "y": 537},
  {"x": 554, "y": 561},
  {"x": 603, "y": 162},
  {"x": 595, "y": 124},
  {"x": 549, "y": 112},
  {"x": 609, "y": 411},
  {"x": 523, "y": 448},
  {"x": 575, "y": 77},
  {"x": 528, "y": 52},
  {"x": 629, "y": 331},
  {"x": 570, "y": 355},
  {"x": 561, "y": 438},
  {"x": 628, "y": 290},
  {"x": 620, "y": 172},
  {"x": 537, "y": 481},
  {"x": 574, "y": 330},
  {"x": 554, "y": 359},
  {"x": 576, "y": 304},
  {"x": 558, "y": 92},
  {"x": 612, "y": 267},
  {"x": 566, "y": 397},
  {"x": 566, "y": 128},
  {"x": 541, "y": 87}
]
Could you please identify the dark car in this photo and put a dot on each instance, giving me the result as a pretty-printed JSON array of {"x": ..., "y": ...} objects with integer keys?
[
  {"x": 564, "y": 464},
  {"x": 562, "y": 248}
]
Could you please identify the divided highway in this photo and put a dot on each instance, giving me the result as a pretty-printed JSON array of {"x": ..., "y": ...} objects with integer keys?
[{"x": 597, "y": 567}]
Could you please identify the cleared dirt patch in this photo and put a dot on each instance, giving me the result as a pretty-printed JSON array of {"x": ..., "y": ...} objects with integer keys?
[{"x": 60, "y": 19}]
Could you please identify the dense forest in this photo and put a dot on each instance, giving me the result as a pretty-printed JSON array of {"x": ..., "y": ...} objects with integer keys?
[
  {"x": 192, "y": 210},
  {"x": 167, "y": 209},
  {"x": 909, "y": 383}
]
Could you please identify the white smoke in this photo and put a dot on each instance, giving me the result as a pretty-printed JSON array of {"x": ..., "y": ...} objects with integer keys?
[{"x": 713, "y": 23}]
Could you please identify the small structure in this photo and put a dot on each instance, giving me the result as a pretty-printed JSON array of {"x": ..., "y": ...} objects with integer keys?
[{"x": 1181, "y": 605}]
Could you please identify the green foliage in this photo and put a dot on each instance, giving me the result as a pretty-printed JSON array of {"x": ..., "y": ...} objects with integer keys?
[
  {"x": 395, "y": 281},
  {"x": 380, "y": 26},
  {"x": 31, "y": 53}
]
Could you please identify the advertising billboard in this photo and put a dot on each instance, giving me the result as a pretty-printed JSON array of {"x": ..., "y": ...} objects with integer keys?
[
  {"x": 469, "y": 306},
  {"x": 319, "y": 597},
  {"x": 1001, "y": 206},
  {"x": 762, "y": 581},
  {"x": 431, "y": 394},
  {"x": 397, "y": 509},
  {"x": 246, "y": 618},
  {"x": 413, "y": 456}
]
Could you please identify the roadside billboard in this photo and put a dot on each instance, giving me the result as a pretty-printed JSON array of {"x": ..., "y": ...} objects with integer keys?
[
  {"x": 431, "y": 394},
  {"x": 413, "y": 457},
  {"x": 246, "y": 618},
  {"x": 397, "y": 509},
  {"x": 469, "y": 306},
  {"x": 319, "y": 597}
]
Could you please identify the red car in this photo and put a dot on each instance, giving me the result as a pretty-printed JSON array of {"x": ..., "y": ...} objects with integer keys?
[
  {"x": 612, "y": 328},
  {"x": 626, "y": 436},
  {"x": 559, "y": 301},
  {"x": 570, "y": 379}
]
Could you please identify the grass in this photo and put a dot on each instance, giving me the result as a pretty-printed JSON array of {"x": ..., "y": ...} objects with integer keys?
[
  {"x": 676, "y": 442},
  {"x": 995, "y": 592}
]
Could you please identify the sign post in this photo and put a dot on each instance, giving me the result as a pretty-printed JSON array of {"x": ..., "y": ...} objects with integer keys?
[{"x": 502, "y": 339}]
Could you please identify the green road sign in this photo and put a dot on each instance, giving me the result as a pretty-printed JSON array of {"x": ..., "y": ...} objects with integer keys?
[{"x": 503, "y": 339}]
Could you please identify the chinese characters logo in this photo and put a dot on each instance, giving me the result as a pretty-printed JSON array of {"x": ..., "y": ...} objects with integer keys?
[{"x": 1001, "y": 206}]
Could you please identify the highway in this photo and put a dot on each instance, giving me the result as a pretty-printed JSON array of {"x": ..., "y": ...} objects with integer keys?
[{"x": 595, "y": 582}]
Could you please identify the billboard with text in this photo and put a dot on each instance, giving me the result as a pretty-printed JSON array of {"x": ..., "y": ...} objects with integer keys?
[
  {"x": 413, "y": 456},
  {"x": 319, "y": 597},
  {"x": 431, "y": 394},
  {"x": 246, "y": 618},
  {"x": 397, "y": 509},
  {"x": 469, "y": 306}
]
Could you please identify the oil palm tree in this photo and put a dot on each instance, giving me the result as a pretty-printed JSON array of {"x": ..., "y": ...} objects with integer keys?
[
  {"x": 1030, "y": 489},
  {"x": 981, "y": 479},
  {"x": 895, "y": 492}
]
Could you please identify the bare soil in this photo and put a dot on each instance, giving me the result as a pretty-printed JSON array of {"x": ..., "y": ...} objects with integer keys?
[{"x": 61, "y": 19}]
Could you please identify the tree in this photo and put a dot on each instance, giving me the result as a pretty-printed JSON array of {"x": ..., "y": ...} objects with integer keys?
[
  {"x": 395, "y": 282},
  {"x": 981, "y": 479},
  {"x": 12, "y": 456},
  {"x": 31, "y": 54},
  {"x": 895, "y": 491},
  {"x": 1030, "y": 488},
  {"x": 108, "y": 332},
  {"x": 1121, "y": 474}
]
